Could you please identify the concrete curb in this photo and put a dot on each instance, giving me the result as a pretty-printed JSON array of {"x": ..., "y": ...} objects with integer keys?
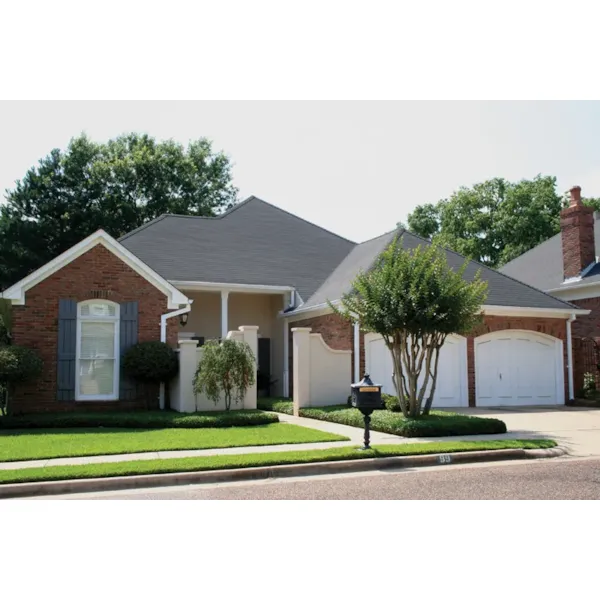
[{"x": 16, "y": 490}]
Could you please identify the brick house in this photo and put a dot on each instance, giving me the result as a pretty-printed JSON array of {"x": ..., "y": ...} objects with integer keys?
[
  {"x": 182, "y": 278},
  {"x": 567, "y": 267}
]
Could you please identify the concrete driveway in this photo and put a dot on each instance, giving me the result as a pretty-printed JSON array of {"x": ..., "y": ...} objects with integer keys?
[{"x": 577, "y": 429}]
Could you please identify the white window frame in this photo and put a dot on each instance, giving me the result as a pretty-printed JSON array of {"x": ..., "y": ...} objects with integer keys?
[{"x": 95, "y": 319}]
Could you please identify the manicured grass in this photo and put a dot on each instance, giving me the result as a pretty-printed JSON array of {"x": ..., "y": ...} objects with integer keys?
[
  {"x": 54, "y": 443},
  {"x": 209, "y": 463},
  {"x": 437, "y": 424},
  {"x": 145, "y": 419}
]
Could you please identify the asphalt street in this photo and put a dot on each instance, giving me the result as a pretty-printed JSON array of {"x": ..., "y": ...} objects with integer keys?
[{"x": 549, "y": 479}]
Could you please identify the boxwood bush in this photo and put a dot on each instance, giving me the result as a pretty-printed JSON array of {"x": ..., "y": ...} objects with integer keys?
[
  {"x": 151, "y": 361},
  {"x": 18, "y": 364},
  {"x": 152, "y": 419},
  {"x": 437, "y": 424}
]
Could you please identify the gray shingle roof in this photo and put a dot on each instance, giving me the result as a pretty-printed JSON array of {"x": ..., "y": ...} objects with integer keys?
[
  {"x": 254, "y": 243},
  {"x": 361, "y": 257},
  {"x": 503, "y": 290},
  {"x": 542, "y": 266}
]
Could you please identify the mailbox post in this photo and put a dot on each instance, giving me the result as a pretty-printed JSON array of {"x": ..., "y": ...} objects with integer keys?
[{"x": 366, "y": 396}]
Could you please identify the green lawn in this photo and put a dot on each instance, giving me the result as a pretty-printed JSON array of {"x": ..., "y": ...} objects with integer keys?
[
  {"x": 54, "y": 443},
  {"x": 145, "y": 419},
  {"x": 437, "y": 424},
  {"x": 208, "y": 463}
]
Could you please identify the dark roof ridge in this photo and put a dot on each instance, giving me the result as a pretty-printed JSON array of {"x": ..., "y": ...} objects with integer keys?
[
  {"x": 228, "y": 212},
  {"x": 495, "y": 270}
]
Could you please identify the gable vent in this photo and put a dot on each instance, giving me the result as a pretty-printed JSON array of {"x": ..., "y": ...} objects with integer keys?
[{"x": 101, "y": 294}]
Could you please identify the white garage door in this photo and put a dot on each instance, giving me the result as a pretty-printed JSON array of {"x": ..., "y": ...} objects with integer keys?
[
  {"x": 451, "y": 387},
  {"x": 518, "y": 368}
]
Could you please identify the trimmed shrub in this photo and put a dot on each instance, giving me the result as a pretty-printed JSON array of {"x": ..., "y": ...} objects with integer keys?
[
  {"x": 18, "y": 364},
  {"x": 391, "y": 402},
  {"x": 157, "y": 419},
  {"x": 151, "y": 361},
  {"x": 437, "y": 424}
]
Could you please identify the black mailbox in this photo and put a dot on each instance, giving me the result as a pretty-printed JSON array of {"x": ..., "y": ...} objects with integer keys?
[{"x": 366, "y": 394}]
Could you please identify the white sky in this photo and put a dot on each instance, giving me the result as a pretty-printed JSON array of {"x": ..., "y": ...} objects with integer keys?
[{"x": 353, "y": 167}]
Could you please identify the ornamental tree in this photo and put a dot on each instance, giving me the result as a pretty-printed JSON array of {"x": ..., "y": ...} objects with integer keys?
[
  {"x": 226, "y": 369},
  {"x": 414, "y": 300}
]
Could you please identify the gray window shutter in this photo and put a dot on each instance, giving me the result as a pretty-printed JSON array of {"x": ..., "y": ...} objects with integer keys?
[
  {"x": 67, "y": 344},
  {"x": 129, "y": 337}
]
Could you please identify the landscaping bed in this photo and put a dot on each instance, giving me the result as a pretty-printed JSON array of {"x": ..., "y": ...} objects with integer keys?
[
  {"x": 18, "y": 445},
  {"x": 146, "y": 419},
  {"x": 209, "y": 463},
  {"x": 437, "y": 424}
]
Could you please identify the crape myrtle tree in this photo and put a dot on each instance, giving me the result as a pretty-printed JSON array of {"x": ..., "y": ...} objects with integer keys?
[{"x": 414, "y": 300}]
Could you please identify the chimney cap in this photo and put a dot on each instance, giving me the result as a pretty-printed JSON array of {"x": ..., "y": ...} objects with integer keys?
[{"x": 575, "y": 195}]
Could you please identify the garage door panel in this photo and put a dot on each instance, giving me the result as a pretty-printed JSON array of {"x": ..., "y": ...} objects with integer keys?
[
  {"x": 517, "y": 368},
  {"x": 451, "y": 386}
]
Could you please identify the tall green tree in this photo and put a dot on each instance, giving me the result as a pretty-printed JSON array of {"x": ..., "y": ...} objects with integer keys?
[
  {"x": 116, "y": 186},
  {"x": 414, "y": 300},
  {"x": 495, "y": 221}
]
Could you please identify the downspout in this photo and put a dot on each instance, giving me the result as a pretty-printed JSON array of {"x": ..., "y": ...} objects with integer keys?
[
  {"x": 356, "y": 351},
  {"x": 570, "y": 358},
  {"x": 163, "y": 338}
]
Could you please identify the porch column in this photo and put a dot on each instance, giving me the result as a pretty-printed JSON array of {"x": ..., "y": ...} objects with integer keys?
[
  {"x": 356, "y": 352},
  {"x": 224, "y": 313},
  {"x": 286, "y": 350}
]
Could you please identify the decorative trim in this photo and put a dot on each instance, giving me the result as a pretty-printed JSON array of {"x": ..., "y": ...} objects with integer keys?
[
  {"x": 16, "y": 293},
  {"x": 523, "y": 311},
  {"x": 210, "y": 286}
]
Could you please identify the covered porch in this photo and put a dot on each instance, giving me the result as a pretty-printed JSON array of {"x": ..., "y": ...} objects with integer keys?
[{"x": 219, "y": 308}]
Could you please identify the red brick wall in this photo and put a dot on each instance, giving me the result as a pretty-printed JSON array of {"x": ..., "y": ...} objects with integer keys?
[
  {"x": 339, "y": 335},
  {"x": 587, "y": 325},
  {"x": 584, "y": 354},
  {"x": 35, "y": 324},
  {"x": 578, "y": 245}
]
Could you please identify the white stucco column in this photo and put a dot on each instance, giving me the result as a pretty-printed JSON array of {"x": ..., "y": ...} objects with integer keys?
[
  {"x": 250, "y": 333},
  {"x": 286, "y": 359},
  {"x": 301, "y": 349},
  {"x": 224, "y": 313},
  {"x": 188, "y": 363}
]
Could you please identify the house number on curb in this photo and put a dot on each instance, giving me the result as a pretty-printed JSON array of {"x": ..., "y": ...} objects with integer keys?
[{"x": 444, "y": 459}]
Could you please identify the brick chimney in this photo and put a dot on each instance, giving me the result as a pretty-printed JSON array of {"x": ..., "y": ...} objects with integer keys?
[{"x": 577, "y": 232}]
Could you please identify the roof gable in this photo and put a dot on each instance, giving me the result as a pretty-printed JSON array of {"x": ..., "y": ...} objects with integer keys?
[
  {"x": 16, "y": 293},
  {"x": 255, "y": 243},
  {"x": 503, "y": 290}
]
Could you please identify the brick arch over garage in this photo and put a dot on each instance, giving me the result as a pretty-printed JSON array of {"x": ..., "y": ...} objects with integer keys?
[{"x": 552, "y": 327}]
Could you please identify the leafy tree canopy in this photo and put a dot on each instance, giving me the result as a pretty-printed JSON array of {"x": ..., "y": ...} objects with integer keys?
[
  {"x": 116, "y": 186},
  {"x": 414, "y": 300},
  {"x": 495, "y": 221}
]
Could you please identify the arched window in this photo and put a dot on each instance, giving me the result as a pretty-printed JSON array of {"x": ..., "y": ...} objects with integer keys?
[{"x": 97, "y": 365}]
